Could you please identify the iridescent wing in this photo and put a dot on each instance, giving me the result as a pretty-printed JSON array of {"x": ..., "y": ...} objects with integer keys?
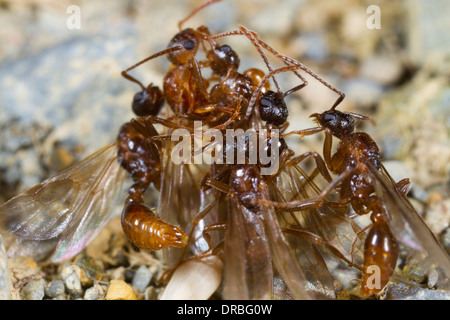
[
  {"x": 62, "y": 214},
  {"x": 423, "y": 248}
]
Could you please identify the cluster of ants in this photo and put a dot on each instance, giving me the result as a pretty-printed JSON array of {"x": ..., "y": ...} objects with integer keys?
[{"x": 260, "y": 226}]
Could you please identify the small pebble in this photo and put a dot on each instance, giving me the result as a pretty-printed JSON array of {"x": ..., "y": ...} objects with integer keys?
[
  {"x": 383, "y": 69},
  {"x": 151, "y": 293},
  {"x": 5, "y": 283},
  {"x": 120, "y": 290},
  {"x": 91, "y": 294},
  {"x": 142, "y": 278},
  {"x": 22, "y": 267},
  {"x": 90, "y": 267},
  {"x": 445, "y": 239},
  {"x": 433, "y": 277},
  {"x": 415, "y": 274},
  {"x": 403, "y": 292},
  {"x": 71, "y": 277},
  {"x": 54, "y": 289},
  {"x": 363, "y": 92},
  {"x": 34, "y": 290}
]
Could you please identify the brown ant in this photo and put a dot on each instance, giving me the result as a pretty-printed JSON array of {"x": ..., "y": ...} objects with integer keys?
[
  {"x": 254, "y": 240},
  {"x": 364, "y": 184}
]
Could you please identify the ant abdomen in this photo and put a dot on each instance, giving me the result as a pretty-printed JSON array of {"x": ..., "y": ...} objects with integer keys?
[
  {"x": 257, "y": 75},
  {"x": 380, "y": 258},
  {"x": 148, "y": 102},
  {"x": 146, "y": 231}
]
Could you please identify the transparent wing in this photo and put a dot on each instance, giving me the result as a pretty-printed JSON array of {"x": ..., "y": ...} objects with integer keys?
[
  {"x": 181, "y": 200},
  {"x": 424, "y": 250},
  {"x": 248, "y": 272},
  {"x": 284, "y": 258},
  {"x": 328, "y": 223},
  {"x": 63, "y": 213}
]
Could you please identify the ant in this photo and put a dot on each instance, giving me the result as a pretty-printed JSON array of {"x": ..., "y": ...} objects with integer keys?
[
  {"x": 253, "y": 237},
  {"x": 364, "y": 184},
  {"x": 184, "y": 87}
]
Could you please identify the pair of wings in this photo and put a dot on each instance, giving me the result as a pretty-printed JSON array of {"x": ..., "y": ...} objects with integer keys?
[
  {"x": 57, "y": 218},
  {"x": 256, "y": 248}
]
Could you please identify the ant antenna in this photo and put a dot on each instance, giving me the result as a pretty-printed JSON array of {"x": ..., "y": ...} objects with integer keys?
[{"x": 195, "y": 11}]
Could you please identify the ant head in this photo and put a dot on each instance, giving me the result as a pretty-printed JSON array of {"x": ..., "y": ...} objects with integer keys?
[
  {"x": 272, "y": 108},
  {"x": 188, "y": 40},
  {"x": 148, "y": 102},
  {"x": 339, "y": 123},
  {"x": 222, "y": 58}
]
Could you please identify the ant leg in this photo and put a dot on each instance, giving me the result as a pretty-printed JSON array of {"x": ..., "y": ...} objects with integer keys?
[
  {"x": 195, "y": 11},
  {"x": 305, "y": 204},
  {"x": 263, "y": 81},
  {"x": 327, "y": 145},
  {"x": 253, "y": 37},
  {"x": 291, "y": 61},
  {"x": 196, "y": 72},
  {"x": 404, "y": 185},
  {"x": 358, "y": 234},
  {"x": 125, "y": 74},
  {"x": 288, "y": 61},
  {"x": 304, "y": 133},
  {"x": 213, "y": 227},
  {"x": 320, "y": 163},
  {"x": 202, "y": 214},
  {"x": 218, "y": 185},
  {"x": 232, "y": 118},
  {"x": 164, "y": 122},
  {"x": 332, "y": 186},
  {"x": 258, "y": 43},
  {"x": 322, "y": 242}
]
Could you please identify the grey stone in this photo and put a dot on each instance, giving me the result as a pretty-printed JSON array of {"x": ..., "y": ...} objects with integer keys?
[
  {"x": 55, "y": 288},
  {"x": 5, "y": 283},
  {"x": 71, "y": 280},
  {"x": 428, "y": 26},
  {"x": 362, "y": 91},
  {"x": 142, "y": 278},
  {"x": 91, "y": 294},
  {"x": 403, "y": 292},
  {"x": 151, "y": 293},
  {"x": 34, "y": 290}
]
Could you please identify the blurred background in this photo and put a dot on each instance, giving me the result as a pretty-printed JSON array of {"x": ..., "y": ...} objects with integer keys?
[{"x": 62, "y": 96}]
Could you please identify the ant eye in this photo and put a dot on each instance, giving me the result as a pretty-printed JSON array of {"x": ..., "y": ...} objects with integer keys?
[
  {"x": 327, "y": 117},
  {"x": 225, "y": 48},
  {"x": 189, "y": 45}
]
